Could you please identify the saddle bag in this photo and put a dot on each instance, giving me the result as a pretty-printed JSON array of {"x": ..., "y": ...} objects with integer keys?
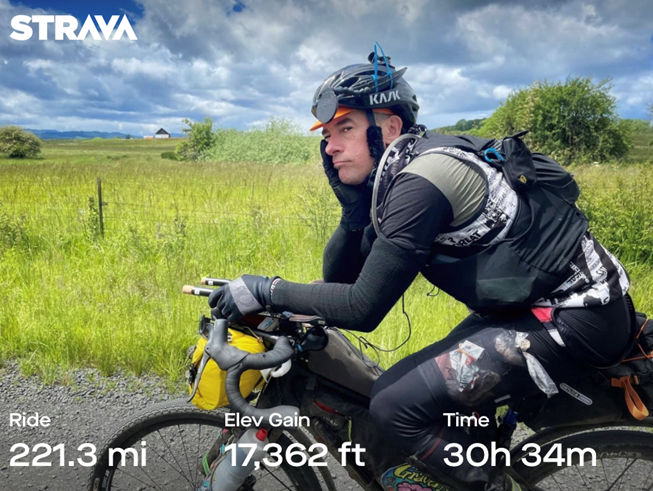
[{"x": 634, "y": 375}]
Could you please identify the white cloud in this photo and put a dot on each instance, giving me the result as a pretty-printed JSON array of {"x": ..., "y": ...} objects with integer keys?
[
  {"x": 634, "y": 95},
  {"x": 133, "y": 67},
  {"x": 501, "y": 92},
  {"x": 200, "y": 58}
]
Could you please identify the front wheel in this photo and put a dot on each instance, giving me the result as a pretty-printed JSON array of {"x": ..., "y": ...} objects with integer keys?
[
  {"x": 623, "y": 461},
  {"x": 163, "y": 447}
]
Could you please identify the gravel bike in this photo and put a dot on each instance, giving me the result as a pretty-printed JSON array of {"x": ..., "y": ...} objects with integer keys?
[{"x": 326, "y": 379}]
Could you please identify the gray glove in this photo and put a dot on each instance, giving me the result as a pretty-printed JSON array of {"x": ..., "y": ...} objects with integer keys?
[{"x": 247, "y": 295}]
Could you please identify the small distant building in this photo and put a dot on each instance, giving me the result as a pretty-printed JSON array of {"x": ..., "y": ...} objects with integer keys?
[
  {"x": 148, "y": 137},
  {"x": 162, "y": 134}
]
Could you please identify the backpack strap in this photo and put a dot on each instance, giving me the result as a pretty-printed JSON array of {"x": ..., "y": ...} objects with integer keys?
[{"x": 633, "y": 401}]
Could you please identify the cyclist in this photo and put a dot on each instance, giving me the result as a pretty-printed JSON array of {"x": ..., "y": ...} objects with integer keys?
[{"x": 546, "y": 296}]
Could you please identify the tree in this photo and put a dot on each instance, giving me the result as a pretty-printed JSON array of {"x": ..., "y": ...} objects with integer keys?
[
  {"x": 200, "y": 138},
  {"x": 572, "y": 121},
  {"x": 17, "y": 143},
  {"x": 128, "y": 136}
]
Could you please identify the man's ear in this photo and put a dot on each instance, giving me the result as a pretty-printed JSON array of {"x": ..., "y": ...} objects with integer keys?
[{"x": 391, "y": 129}]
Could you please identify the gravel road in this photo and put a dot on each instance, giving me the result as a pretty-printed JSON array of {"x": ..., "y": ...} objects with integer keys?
[{"x": 85, "y": 411}]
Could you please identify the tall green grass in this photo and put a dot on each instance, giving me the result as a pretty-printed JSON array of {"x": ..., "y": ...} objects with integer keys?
[
  {"x": 71, "y": 297},
  {"x": 279, "y": 142}
]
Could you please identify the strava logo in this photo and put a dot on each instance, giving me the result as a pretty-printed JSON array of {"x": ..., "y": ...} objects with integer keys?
[{"x": 66, "y": 25}]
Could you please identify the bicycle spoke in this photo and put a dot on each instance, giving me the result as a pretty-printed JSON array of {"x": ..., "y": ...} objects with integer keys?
[
  {"x": 175, "y": 458},
  {"x": 142, "y": 469},
  {"x": 170, "y": 465},
  {"x": 557, "y": 483},
  {"x": 621, "y": 483},
  {"x": 199, "y": 439},
  {"x": 581, "y": 476},
  {"x": 647, "y": 478},
  {"x": 190, "y": 471},
  {"x": 270, "y": 473},
  {"x": 622, "y": 473},
  {"x": 137, "y": 479}
]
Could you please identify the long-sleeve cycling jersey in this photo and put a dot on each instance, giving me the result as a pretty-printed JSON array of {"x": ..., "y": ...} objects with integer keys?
[{"x": 365, "y": 275}]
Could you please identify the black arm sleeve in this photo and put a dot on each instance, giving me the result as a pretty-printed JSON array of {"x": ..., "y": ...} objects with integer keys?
[
  {"x": 415, "y": 212},
  {"x": 342, "y": 260}
]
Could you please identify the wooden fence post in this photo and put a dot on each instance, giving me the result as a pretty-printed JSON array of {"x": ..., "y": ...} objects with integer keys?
[{"x": 100, "y": 205}]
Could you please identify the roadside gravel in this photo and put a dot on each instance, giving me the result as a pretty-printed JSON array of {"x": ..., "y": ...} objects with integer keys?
[{"x": 85, "y": 411}]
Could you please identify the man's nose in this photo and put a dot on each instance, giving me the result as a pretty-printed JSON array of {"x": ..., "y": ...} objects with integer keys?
[{"x": 334, "y": 146}]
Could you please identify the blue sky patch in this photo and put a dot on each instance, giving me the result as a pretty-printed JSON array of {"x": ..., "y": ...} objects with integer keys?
[
  {"x": 81, "y": 10},
  {"x": 238, "y": 6}
]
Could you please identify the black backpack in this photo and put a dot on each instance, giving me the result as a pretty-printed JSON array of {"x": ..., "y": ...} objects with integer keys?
[{"x": 522, "y": 168}]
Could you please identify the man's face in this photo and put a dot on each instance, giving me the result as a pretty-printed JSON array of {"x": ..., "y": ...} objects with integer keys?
[{"x": 347, "y": 145}]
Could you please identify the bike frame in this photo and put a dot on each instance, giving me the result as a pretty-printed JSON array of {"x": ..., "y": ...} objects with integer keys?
[{"x": 282, "y": 393}]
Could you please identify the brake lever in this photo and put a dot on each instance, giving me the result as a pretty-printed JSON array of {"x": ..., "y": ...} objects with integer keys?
[{"x": 198, "y": 376}]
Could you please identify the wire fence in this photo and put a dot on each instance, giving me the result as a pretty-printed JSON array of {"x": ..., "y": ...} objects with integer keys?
[
  {"x": 159, "y": 208},
  {"x": 61, "y": 200},
  {"x": 619, "y": 213}
]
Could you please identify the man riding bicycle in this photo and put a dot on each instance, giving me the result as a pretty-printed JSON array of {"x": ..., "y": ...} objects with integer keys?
[{"x": 546, "y": 296}]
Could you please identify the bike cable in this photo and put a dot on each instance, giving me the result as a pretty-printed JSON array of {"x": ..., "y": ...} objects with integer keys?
[{"x": 364, "y": 343}]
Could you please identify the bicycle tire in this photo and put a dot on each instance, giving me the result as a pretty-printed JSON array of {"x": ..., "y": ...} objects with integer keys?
[
  {"x": 624, "y": 461},
  {"x": 165, "y": 417}
]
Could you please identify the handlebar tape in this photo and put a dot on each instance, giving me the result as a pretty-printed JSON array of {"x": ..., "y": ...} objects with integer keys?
[{"x": 236, "y": 361}]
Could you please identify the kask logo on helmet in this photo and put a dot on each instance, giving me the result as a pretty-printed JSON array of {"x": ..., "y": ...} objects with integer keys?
[
  {"x": 384, "y": 97},
  {"x": 66, "y": 25}
]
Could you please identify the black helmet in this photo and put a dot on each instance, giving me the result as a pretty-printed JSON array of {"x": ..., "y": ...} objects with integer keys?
[{"x": 367, "y": 86}]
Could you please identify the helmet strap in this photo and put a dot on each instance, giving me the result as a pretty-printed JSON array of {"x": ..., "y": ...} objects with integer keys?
[
  {"x": 376, "y": 147},
  {"x": 370, "y": 117}
]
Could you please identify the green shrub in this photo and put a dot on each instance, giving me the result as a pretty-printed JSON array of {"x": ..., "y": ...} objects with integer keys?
[
  {"x": 169, "y": 156},
  {"x": 200, "y": 139},
  {"x": 18, "y": 143},
  {"x": 280, "y": 142},
  {"x": 574, "y": 121}
]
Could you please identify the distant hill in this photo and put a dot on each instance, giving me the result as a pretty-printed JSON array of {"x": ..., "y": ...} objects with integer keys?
[{"x": 83, "y": 135}]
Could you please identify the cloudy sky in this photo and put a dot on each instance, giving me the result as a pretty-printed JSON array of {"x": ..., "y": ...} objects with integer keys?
[{"x": 242, "y": 61}]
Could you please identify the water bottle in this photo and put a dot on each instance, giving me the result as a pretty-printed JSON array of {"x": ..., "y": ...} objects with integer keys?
[{"x": 229, "y": 477}]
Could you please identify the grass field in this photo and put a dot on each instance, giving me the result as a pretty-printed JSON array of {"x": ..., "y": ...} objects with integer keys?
[{"x": 72, "y": 297}]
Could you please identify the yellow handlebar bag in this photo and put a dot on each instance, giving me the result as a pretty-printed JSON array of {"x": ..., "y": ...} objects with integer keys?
[{"x": 211, "y": 392}]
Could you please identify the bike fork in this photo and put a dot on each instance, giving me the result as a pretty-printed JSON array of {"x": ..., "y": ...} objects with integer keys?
[
  {"x": 232, "y": 472},
  {"x": 206, "y": 464}
]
